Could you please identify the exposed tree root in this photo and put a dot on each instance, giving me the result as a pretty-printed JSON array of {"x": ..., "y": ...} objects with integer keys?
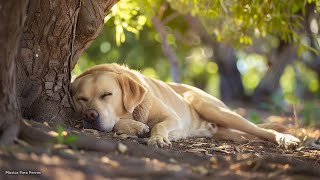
[
  {"x": 9, "y": 133},
  {"x": 37, "y": 133},
  {"x": 292, "y": 165}
]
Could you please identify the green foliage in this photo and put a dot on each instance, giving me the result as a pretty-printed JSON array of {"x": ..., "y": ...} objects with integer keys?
[
  {"x": 288, "y": 84},
  {"x": 310, "y": 113},
  {"x": 307, "y": 77},
  {"x": 145, "y": 54},
  {"x": 244, "y": 20},
  {"x": 254, "y": 117},
  {"x": 276, "y": 104},
  {"x": 235, "y": 22},
  {"x": 126, "y": 16},
  {"x": 231, "y": 20},
  {"x": 252, "y": 67},
  {"x": 63, "y": 137},
  {"x": 297, "y": 79}
]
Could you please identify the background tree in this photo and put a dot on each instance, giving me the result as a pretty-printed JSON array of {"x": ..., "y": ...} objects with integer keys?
[
  {"x": 54, "y": 36},
  {"x": 12, "y": 17},
  {"x": 231, "y": 87}
]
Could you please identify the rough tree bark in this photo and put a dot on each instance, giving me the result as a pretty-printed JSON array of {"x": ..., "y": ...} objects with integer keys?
[
  {"x": 231, "y": 87},
  {"x": 55, "y": 34},
  {"x": 283, "y": 56},
  {"x": 12, "y": 18}
]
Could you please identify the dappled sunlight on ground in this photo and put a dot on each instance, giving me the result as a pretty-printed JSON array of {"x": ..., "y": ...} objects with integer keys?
[{"x": 187, "y": 159}]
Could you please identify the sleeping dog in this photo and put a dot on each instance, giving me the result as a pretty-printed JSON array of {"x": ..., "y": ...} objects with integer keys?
[{"x": 114, "y": 97}]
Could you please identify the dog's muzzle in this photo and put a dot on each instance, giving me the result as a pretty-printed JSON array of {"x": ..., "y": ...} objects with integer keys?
[
  {"x": 90, "y": 115},
  {"x": 91, "y": 120}
]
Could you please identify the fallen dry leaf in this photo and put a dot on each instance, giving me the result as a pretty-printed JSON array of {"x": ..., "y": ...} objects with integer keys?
[
  {"x": 122, "y": 148},
  {"x": 197, "y": 150}
]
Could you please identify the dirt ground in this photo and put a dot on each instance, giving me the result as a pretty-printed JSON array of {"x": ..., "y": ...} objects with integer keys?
[{"x": 197, "y": 158}]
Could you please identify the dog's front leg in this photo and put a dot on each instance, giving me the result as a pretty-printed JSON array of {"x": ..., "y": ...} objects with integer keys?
[
  {"x": 160, "y": 132},
  {"x": 162, "y": 120},
  {"x": 131, "y": 127}
]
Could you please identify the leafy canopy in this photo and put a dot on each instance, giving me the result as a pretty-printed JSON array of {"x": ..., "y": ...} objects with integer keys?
[{"x": 235, "y": 21}]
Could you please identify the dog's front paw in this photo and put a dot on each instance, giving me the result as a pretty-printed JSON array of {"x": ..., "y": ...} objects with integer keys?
[
  {"x": 131, "y": 127},
  {"x": 159, "y": 141},
  {"x": 287, "y": 141}
]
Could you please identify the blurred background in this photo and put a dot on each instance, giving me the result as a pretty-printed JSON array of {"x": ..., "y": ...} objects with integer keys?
[{"x": 262, "y": 54}]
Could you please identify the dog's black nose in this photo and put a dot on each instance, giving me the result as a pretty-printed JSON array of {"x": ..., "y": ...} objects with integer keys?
[{"x": 90, "y": 115}]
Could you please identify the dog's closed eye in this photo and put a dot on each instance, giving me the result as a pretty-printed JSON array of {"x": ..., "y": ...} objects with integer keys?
[
  {"x": 82, "y": 99},
  {"x": 104, "y": 95}
]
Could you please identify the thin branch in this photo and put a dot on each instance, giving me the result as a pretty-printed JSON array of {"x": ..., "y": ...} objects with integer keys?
[
  {"x": 171, "y": 17},
  {"x": 166, "y": 48}
]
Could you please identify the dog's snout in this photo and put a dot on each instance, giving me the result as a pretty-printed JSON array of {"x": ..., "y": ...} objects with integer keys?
[{"x": 90, "y": 115}]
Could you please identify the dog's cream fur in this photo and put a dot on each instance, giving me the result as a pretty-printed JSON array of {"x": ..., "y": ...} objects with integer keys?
[{"x": 171, "y": 111}]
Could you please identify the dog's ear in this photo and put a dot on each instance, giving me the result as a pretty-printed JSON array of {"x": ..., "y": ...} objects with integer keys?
[{"x": 133, "y": 92}]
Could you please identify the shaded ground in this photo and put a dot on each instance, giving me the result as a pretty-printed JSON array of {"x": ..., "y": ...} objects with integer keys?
[{"x": 197, "y": 158}]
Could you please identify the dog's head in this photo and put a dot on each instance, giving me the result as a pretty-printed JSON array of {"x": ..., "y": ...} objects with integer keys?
[{"x": 104, "y": 97}]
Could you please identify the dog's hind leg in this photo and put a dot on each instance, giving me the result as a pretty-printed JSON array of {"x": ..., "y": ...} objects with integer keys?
[
  {"x": 274, "y": 126},
  {"x": 234, "y": 135},
  {"x": 213, "y": 110}
]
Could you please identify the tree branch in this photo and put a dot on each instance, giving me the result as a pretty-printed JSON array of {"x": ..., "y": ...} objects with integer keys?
[
  {"x": 89, "y": 25},
  {"x": 167, "y": 50}
]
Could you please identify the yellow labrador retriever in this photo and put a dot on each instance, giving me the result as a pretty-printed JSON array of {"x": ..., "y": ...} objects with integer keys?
[{"x": 113, "y": 97}]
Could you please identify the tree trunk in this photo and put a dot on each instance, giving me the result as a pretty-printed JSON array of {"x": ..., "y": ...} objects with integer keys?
[
  {"x": 55, "y": 34},
  {"x": 12, "y": 18},
  {"x": 314, "y": 61},
  {"x": 284, "y": 55},
  {"x": 231, "y": 87}
]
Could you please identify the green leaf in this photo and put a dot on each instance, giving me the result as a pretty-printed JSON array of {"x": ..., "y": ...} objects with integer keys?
[
  {"x": 254, "y": 117},
  {"x": 70, "y": 139}
]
